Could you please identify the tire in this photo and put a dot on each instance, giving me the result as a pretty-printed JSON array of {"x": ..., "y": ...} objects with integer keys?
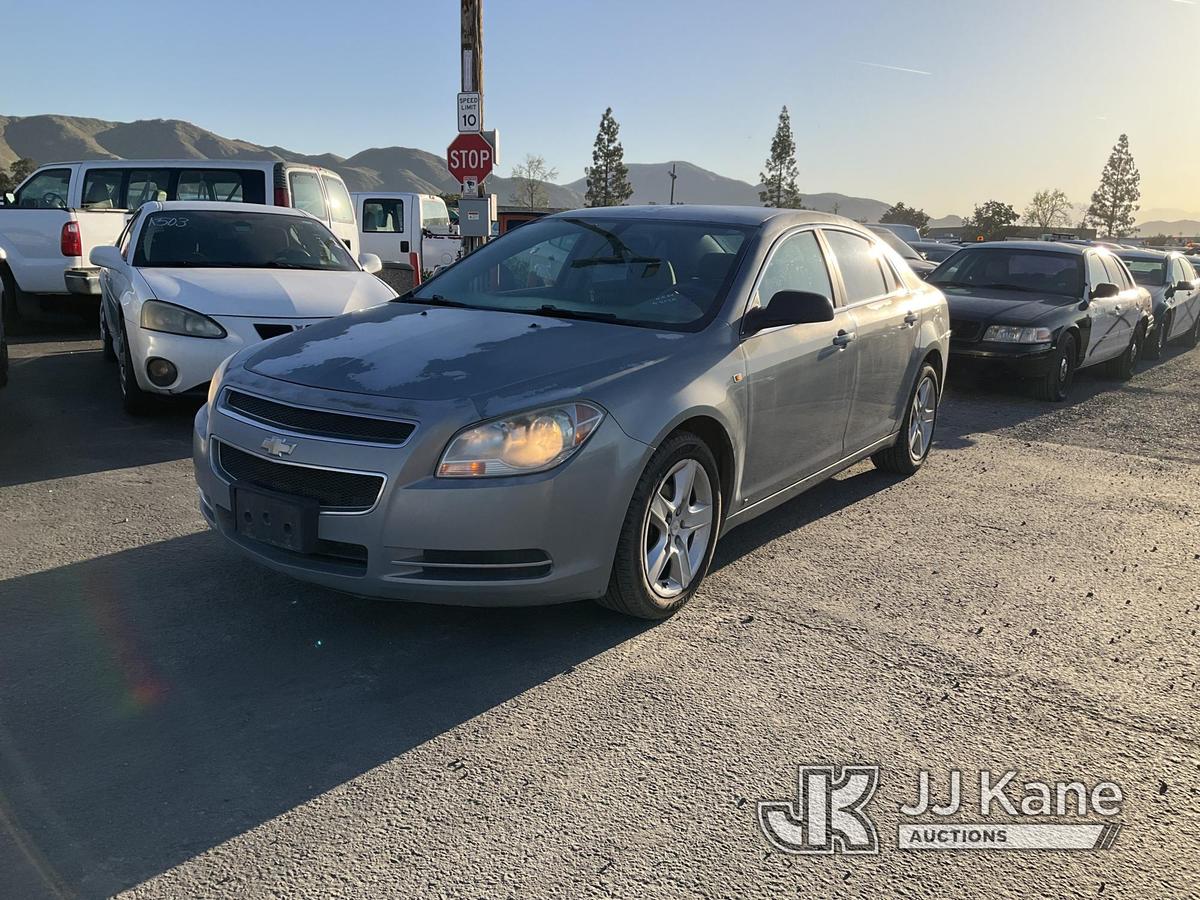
[
  {"x": 1055, "y": 385},
  {"x": 107, "y": 350},
  {"x": 636, "y": 586},
  {"x": 1192, "y": 338},
  {"x": 135, "y": 401},
  {"x": 915, "y": 439},
  {"x": 1154, "y": 349},
  {"x": 9, "y": 308},
  {"x": 1123, "y": 366}
]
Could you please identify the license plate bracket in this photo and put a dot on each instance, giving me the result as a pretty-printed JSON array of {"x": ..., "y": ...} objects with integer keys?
[{"x": 280, "y": 520}]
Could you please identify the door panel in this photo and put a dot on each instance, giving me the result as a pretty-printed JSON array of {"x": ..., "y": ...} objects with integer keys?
[
  {"x": 885, "y": 322},
  {"x": 800, "y": 381},
  {"x": 800, "y": 388},
  {"x": 1102, "y": 314}
]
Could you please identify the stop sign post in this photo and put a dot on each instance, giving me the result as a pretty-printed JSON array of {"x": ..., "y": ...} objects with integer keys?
[{"x": 470, "y": 156}]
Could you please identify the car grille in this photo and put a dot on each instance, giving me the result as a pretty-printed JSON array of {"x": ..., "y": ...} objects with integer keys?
[
  {"x": 318, "y": 423},
  {"x": 334, "y": 490},
  {"x": 471, "y": 565},
  {"x": 965, "y": 331}
]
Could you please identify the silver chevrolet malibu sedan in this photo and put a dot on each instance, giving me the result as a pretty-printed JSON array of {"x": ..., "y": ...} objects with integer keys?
[{"x": 577, "y": 410}]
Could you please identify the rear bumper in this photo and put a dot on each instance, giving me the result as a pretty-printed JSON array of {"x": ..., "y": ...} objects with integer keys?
[
  {"x": 84, "y": 282},
  {"x": 1024, "y": 363}
]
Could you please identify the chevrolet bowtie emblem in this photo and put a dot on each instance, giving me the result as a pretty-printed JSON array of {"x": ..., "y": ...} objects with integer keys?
[{"x": 278, "y": 446}]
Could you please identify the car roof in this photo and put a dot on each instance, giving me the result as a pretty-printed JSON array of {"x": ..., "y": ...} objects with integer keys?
[
  {"x": 183, "y": 164},
  {"x": 726, "y": 215},
  {"x": 219, "y": 206},
  {"x": 1044, "y": 246}
]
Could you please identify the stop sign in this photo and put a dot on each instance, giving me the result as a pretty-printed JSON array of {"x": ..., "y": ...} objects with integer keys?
[{"x": 469, "y": 156}]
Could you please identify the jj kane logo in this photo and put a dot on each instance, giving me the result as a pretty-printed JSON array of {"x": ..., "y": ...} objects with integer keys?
[{"x": 829, "y": 814}]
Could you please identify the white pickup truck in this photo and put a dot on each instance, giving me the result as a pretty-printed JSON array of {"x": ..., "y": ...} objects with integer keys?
[
  {"x": 60, "y": 212},
  {"x": 406, "y": 228}
]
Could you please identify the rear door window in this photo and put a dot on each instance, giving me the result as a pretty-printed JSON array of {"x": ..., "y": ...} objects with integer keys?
[
  {"x": 45, "y": 190},
  {"x": 340, "y": 207},
  {"x": 1116, "y": 272},
  {"x": 434, "y": 215},
  {"x": 383, "y": 216},
  {"x": 858, "y": 260},
  {"x": 146, "y": 185},
  {"x": 102, "y": 188},
  {"x": 307, "y": 194},
  {"x": 221, "y": 186}
]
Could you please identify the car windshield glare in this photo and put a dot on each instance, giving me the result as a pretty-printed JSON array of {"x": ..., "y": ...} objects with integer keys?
[
  {"x": 671, "y": 275},
  {"x": 185, "y": 238},
  {"x": 1147, "y": 272},
  {"x": 1015, "y": 269}
]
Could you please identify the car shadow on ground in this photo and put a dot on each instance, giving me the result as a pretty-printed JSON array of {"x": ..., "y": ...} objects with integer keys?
[
  {"x": 61, "y": 416},
  {"x": 154, "y": 704}
]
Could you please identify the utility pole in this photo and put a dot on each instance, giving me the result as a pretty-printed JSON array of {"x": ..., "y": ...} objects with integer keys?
[
  {"x": 471, "y": 27},
  {"x": 673, "y": 177}
]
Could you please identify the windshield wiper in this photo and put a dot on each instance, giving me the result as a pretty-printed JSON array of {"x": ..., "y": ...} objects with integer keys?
[
  {"x": 434, "y": 300},
  {"x": 547, "y": 309}
]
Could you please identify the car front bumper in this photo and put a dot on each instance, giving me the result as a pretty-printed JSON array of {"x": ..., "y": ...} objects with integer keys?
[
  {"x": 1024, "y": 362},
  {"x": 524, "y": 540},
  {"x": 195, "y": 358}
]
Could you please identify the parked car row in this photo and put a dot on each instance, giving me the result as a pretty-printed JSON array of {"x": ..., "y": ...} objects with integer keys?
[
  {"x": 582, "y": 407},
  {"x": 51, "y": 223}
]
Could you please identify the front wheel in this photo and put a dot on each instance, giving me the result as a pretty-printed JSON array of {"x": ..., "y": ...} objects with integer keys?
[
  {"x": 669, "y": 533},
  {"x": 1055, "y": 385},
  {"x": 1192, "y": 338},
  {"x": 916, "y": 432},
  {"x": 1162, "y": 327},
  {"x": 107, "y": 351},
  {"x": 1123, "y": 366},
  {"x": 136, "y": 401}
]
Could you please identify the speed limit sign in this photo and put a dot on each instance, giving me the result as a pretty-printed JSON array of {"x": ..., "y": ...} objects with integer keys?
[{"x": 469, "y": 115}]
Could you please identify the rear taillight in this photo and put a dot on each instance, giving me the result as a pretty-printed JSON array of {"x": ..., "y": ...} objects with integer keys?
[
  {"x": 69, "y": 241},
  {"x": 415, "y": 262},
  {"x": 281, "y": 197}
]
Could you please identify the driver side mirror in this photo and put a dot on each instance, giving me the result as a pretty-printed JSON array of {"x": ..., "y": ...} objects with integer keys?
[
  {"x": 370, "y": 263},
  {"x": 1183, "y": 286},
  {"x": 10, "y": 199},
  {"x": 107, "y": 257},
  {"x": 1104, "y": 290},
  {"x": 789, "y": 308}
]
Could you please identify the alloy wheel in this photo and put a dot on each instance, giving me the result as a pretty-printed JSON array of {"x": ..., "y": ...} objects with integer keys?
[
  {"x": 677, "y": 528},
  {"x": 922, "y": 418}
]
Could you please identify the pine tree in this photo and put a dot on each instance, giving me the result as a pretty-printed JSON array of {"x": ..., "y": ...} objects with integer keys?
[
  {"x": 779, "y": 178},
  {"x": 607, "y": 177},
  {"x": 1115, "y": 201}
]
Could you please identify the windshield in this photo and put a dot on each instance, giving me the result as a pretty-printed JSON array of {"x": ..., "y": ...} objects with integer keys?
[
  {"x": 658, "y": 274},
  {"x": 434, "y": 215},
  {"x": 1147, "y": 272},
  {"x": 238, "y": 240},
  {"x": 999, "y": 268},
  {"x": 890, "y": 238}
]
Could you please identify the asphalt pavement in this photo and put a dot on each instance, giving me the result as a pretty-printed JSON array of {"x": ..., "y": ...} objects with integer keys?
[{"x": 177, "y": 722}]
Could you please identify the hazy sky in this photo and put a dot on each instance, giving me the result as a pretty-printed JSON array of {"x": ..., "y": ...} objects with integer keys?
[{"x": 1003, "y": 97}]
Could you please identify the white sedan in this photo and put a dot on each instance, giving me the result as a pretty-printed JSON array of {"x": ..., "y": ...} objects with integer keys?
[{"x": 190, "y": 283}]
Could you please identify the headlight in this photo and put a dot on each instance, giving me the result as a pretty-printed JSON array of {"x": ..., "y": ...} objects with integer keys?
[
  {"x": 214, "y": 386},
  {"x": 159, "y": 316},
  {"x": 518, "y": 445},
  {"x": 1014, "y": 334}
]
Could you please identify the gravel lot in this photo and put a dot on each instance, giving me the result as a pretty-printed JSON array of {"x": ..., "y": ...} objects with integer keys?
[{"x": 177, "y": 722}]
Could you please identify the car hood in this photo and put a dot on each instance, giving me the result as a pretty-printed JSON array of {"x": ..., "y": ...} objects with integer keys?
[
  {"x": 414, "y": 352},
  {"x": 267, "y": 292},
  {"x": 1005, "y": 307}
]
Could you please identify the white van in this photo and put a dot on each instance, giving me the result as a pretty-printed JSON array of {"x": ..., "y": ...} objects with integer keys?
[
  {"x": 49, "y": 226},
  {"x": 401, "y": 227}
]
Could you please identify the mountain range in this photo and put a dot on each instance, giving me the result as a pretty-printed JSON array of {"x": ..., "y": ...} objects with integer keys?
[{"x": 50, "y": 138}]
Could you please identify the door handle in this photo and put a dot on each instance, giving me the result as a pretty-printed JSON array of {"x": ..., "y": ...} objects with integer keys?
[
  {"x": 842, "y": 338},
  {"x": 911, "y": 319},
  {"x": 1117, "y": 308}
]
